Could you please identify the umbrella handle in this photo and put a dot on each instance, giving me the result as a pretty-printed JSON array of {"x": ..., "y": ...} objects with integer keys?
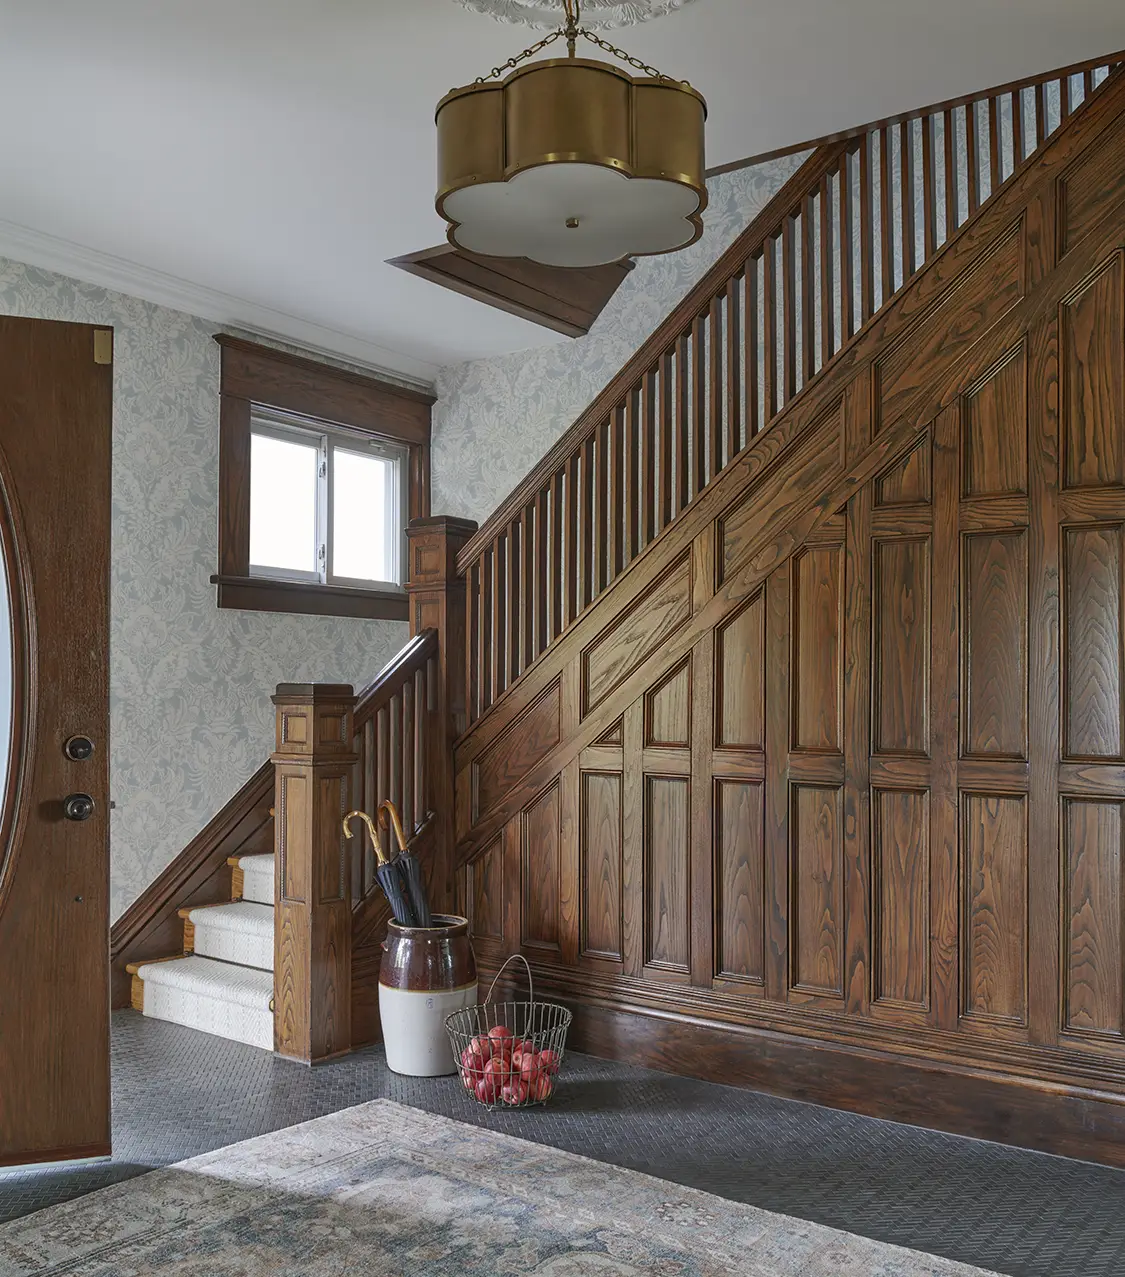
[
  {"x": 373, "y": 833},
  {"x": 387, "y": 808}
]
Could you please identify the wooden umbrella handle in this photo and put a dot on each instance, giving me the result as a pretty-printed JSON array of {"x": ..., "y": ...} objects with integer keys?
[
  {"x": 387, "y": 808},
  {"x": 376, "y": 841}
]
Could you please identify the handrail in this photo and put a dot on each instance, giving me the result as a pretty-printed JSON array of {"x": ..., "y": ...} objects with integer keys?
[
  {"x": 404, "y": 662},
  {"x": 837, "y": 243}
]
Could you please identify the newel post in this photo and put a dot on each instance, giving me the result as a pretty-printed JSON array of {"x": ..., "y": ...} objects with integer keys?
[
  {"x": 312, "y": 943},
  {"x": 437, "y": 601}
]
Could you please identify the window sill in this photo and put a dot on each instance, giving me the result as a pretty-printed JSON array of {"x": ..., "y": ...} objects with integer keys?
[{"x": 261, "y": 594}]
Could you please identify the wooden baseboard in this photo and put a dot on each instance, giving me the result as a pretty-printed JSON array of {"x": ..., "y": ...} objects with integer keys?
[
  {"x": 977, "y": 1103},
  {"x": 152, "y": 927},
  {"x": 80, "y": 1153}
]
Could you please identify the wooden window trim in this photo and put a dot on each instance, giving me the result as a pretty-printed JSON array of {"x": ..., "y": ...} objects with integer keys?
[{"x": 260, "y": 378}]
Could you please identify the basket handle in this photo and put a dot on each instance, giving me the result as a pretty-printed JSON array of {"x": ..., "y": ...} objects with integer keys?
[{"x": 504, "y": 966}]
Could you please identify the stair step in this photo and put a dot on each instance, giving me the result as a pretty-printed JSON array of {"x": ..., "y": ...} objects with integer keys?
[
  {"x": 239, "y": 932},
  {"x": 257, "y": 877},
  {"x": 216, "y": 997}
]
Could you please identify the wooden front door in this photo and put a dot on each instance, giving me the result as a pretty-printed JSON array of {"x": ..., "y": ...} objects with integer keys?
[{"x": 55, "y": 409}]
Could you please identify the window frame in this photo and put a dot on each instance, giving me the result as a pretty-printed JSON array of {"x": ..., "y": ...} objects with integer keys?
[{"x": 260, "y": 384}]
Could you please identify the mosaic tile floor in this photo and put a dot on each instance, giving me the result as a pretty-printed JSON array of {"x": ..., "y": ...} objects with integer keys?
[{"x": 178, "y": 1093}]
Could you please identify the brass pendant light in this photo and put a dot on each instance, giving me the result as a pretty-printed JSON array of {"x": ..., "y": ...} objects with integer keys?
[{"x": 571, "y": 161}]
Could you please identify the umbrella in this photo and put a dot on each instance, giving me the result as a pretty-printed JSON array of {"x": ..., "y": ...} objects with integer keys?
[
  {"x": 409, "y": 866},
  {"x": 387, "y": 873}
]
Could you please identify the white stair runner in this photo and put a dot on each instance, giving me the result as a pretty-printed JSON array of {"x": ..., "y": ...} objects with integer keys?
[
  {"x": 217, "y": 997},
  {"x": 240, "y": 932},
  {"x": 257, "y": 878},
  {"x": 226, "y": 985}
]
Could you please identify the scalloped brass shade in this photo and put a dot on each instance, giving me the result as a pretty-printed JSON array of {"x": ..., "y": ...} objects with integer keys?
[{"x": 572, "y": 162}]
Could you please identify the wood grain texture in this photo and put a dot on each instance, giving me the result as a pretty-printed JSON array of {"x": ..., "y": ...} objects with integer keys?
[
  {"x": 906, "y": 481},
  {"x": 539, "y": 851},
  {"x": 818, "y": 594},
  {"x": 994, "y": 430},
  {"x": 601, "y": 850},
  {"x": 739, "y": 665},
  {"x": 740, "y": 880},
  {"x": 900, "y": 677},
  {"x": 1093, "y": 568},
  {"x": 1092, "y": 833},
  {"x": 817, "y": 919},
  {"x": 900, "y": 831},
  {"x": 666, "y": 812},
  {"x": 526, "y": 741},
  {"x": 668, "y": 710},
  {"x": 486, "y": 899}
]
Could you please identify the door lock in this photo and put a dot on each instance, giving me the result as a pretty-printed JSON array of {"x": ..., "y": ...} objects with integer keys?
[
  {"x": 78, "y": 806},
  {"x": 78, "y": 748}
]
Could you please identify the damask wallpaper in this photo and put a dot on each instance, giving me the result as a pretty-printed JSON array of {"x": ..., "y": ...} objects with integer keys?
[
  {"x": 496, "y": 417},
  {"x": 190, "y": 711}
]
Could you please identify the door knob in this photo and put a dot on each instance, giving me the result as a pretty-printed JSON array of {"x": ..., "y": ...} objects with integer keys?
[{"x": 78, "y": 806}]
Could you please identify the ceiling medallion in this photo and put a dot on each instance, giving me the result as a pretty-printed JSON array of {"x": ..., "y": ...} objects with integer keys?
[
  {"x": 571, "y": 161},
  {"x": 601, "y": 15}
]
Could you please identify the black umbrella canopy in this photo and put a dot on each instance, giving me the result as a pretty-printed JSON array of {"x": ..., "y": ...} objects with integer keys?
[
  {"x": 388, "y": 873},
  {"x": 409, "y": 866}
]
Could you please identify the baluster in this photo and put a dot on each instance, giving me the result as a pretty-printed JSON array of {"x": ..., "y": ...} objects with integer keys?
[
  {"x": 664, "y": 513},
  {"x": 499, "y": 645},
  {"x": 827, "y": 292},
  {"x": 750, "y": 297},
  {"x": 1065, "y": 107},
  {"x": 906, "y": 204},
  {"x": 886, "y": 219},
  {"x": 734, "y": 366},
  {"x": 541, "y": 582},
  {"x": 847, "y": 250},
  {"x": 617, "y": 466},
  {"x": 632, "y": 488},
  {"x": 769, "y": 320},
  {"x": 972, "y": 156},
  {"x": 512, "y": 586},
  {"x": 951, "y": 202},
  {"x": 1041, "y": 121},
  {"x": 472, "y": 643},
  {"x": 683, "y": 423},
  {"x": 526, "y": 610},
  {"x": 1017, "y": 129},
  {"x": 648, "y": 457},
  {"x": 421, "y": 709},
  {"x": 383, "y": 757},
  {"x": 356, "y": 858},
  {"x": 370, "y": 801},
  {"x": 601, "y": 508},
  {"x": 715, "y": 386},
  {"x": 570, "y": 532},
  {"x": 995, "y": 153},
  {"x": 557, "y": 525},
  {"x": 808, "y": 294},
  {"x": 488, "y": 628},
  {"x": 586, "y": 523},
  {"x": 406, "y": 807},
  {"x": 397, "y": 736},
  {"x": 1087, "y": 83},
  {"x": 789, "y": 312},
  {"x": 866, "y": 233},
  {"x": 929, "y": 177},
  {"x": 698, "y": 405}
]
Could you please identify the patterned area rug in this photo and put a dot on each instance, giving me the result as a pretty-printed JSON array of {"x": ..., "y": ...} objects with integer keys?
[{"x": 385, "y": 1191}]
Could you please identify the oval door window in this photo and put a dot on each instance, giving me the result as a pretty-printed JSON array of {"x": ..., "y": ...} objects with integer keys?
[{"x": 14, "y": 693}]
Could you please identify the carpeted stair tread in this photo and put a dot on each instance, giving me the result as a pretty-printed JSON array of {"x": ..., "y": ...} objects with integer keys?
[
  {"x": 257, "y": 881},
  {"x": 241, "y": 932},
  {"x": 207, "y": 977}
]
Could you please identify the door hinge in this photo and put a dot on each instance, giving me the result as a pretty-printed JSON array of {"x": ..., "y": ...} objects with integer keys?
[{"x": 103, "y": 345}]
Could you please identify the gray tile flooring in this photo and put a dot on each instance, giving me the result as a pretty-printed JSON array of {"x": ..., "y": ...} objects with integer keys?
[{"x": 178, "y": 1093}]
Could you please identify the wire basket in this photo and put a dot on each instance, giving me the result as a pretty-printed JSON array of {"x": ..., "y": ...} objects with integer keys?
[{"x": 509, "y": 1054}]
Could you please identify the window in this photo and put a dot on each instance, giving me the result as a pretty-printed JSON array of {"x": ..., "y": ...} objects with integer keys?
[{"x": 320, "y": 470}]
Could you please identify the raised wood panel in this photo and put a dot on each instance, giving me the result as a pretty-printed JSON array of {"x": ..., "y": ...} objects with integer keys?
[
  {"x": 601, "y": 864},
  {"x": 1092, "y": 833},
  {"x": 817, "y": 909},
  {"x": 900, "y": 867},
  {"x": 1092, "y": 372},
  {"x": 666, "y": 834},
  {"x": 994, "y": 429},
  {"x": 668, "y": 709},
  {"x": 1090, "y": 188},
  {"x": 611, "y": 736},
  {"x": 653, "y": 618},
  {"x": 486, "y": 893},
  {"x": 539, "y": 854},
  {"x": 1093, "y": 562},
  {"x": 740, "y": 880},
  {"x": 906, "y": 481},
  {"x": 994, "y": 921},
  {"x": 517, "y": 749},
  {"x": 901, "y": 675},
  {"x": 994, "y": 641},
  {"x": 817, "y": 658},
  {"x": 739, "y": 663}
]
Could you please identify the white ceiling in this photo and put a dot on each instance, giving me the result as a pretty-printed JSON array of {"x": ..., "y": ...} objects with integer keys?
[{"x": 257, "y": 161}]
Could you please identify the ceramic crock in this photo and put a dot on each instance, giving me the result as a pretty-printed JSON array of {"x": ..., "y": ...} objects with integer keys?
[{"x": 425, "y": 974}]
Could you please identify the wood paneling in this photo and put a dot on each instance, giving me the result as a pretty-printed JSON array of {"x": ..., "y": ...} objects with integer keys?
[
  {"x": 900, "y": 853},
  {"x": 740, "y": 697},
  {"x": 994, "y": 922},
  {"x": 1092, "y": 833},
  {"x": 532, "y": 735},
  {"x": 667, "y": 806},
  {"x": 1092, "y": 369},
  {"x": 906, "y": 481},
  {"x": 818, "y": 594},
  {"x": 1093, "y": 563},
  {"x": 668, "y": 709},
  {"x": 900, "y": 680},
  {"x": 601, "y": 847},
  {"x": 994, "y": 430},
  {"x": 740, "y": 880},
  {"x": 817, "y": 940},
  {"x": 486, "y": 893},
  {"x": 994, "y": 660},
  {"x": 539, "y": 851}
]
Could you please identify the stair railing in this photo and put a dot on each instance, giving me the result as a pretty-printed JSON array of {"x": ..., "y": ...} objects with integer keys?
[{"x": 839, "y": 241}]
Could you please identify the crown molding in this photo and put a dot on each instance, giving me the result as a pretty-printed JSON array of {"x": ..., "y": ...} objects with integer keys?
[{"x": 63, "y": 257}]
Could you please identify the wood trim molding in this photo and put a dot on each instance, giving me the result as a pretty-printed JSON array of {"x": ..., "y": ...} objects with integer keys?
[{"x": 262, "y": 594}]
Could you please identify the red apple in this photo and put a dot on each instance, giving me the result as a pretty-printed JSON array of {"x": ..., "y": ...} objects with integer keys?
[
  {"x": 548, "y": 1061},
  {"x": 515, "y": 1092},
  {"x": 488, "y": 1090},
  {"x": 540, "y": 1087},
  {"x": 469, "y": 1080},
  {"x": 499, "y": 1069},
  {"x": 528, "y": 1065},
  {"x": 471, "y": 1062},
  {"x": 526, "y": 1047},
  {"x": 500, "y": 1038},
  {"x": 481, "y": 1047}
]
